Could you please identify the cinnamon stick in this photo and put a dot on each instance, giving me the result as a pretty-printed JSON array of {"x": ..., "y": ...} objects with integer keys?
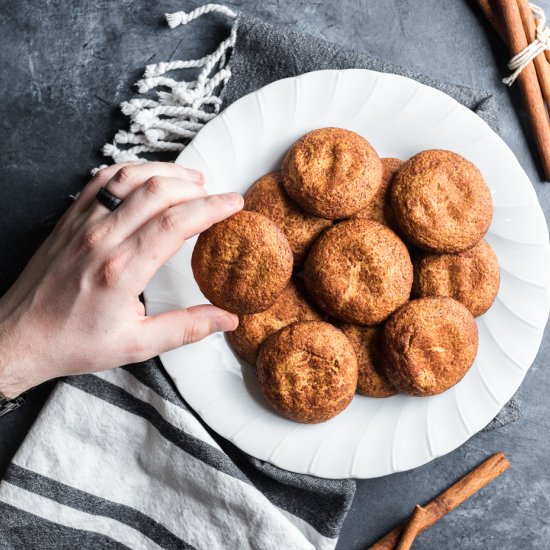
[
  {"x": 412, "y": 529},
  {"x": 486, "y": 7},
  {"x": 451, "y": 498},
  {"x": 541, "y": 64},
  {"x": 527, "y": 80}
]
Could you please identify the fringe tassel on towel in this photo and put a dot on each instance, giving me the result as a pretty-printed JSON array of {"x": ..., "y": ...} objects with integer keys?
[{"x": 170, "y": 121}]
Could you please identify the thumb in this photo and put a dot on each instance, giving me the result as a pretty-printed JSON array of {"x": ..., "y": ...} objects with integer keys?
[{"x": 177, "y": 328}]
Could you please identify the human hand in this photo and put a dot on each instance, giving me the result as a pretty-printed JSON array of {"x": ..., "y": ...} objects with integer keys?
[{"x": 75, "y": 308}]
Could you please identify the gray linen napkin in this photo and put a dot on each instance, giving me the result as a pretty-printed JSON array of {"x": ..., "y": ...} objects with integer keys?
[
  {"x": 265, "y": 53},
  {"x": 170, "y": 482}
]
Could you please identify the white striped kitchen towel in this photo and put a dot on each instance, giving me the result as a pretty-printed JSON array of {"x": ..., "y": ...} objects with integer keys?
[{"x": 117, "y": 460}]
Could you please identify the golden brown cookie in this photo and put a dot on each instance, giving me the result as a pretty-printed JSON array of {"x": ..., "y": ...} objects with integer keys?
[
  {"x": 307, "y": 371},
  {"x": 268, "y": 197},
  {"x": 379, "y": 208},
  {"x": 441, "y": 201},
  {"x": 429, "y": 345},
  {"x": 332, "y": 173},
  {"x": 359, "y": 271},
  {"x": 253, "y": 329},
  {"x": 471, "y": 277},
  {"x": 366, "y": 342},
  {"x": 243, "y": 263}
]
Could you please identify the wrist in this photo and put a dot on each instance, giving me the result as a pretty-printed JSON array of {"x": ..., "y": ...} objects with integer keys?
[
  {"x": 11, "y": 385},
  {"x": 14, "y": 364}
]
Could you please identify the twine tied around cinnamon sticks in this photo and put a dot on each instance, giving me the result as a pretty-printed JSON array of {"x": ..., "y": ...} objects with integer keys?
[
  {"x": 514, "y": 21},
  {"x": 540, "y": 43}
]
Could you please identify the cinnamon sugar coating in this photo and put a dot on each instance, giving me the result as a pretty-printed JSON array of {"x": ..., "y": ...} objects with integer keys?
[
  {"x": 253, "y": 329},
  {"x": 359, "y": 271},
  {"x": 429, "y": 345},
  {"x": 441, "y": 201},
  {"x": 267, "y": 196},
  {"x": 307, "y": 371},
  {"x": 471, "y": 277},
  {"x": 332, "y": 173},
  {"x": 242, "y": 264},
  {"x": 379, "y": 208},
  {"x": 366, "y": 343}
]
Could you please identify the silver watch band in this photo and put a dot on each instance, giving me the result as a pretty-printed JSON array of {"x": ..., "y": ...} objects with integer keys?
[{"x": 8, "y": 405}]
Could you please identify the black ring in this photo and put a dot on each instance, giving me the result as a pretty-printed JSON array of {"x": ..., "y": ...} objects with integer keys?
[{"x": 108, "y": 199}]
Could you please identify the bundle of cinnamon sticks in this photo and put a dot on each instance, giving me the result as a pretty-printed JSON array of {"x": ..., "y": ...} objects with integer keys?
[{"x": 513, "y": 20}]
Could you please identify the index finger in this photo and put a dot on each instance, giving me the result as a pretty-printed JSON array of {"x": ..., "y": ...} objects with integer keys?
[{"x": 158, "y": 240}]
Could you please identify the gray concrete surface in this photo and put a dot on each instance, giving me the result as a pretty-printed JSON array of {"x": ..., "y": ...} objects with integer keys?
[{"x": 65, "y": 66}]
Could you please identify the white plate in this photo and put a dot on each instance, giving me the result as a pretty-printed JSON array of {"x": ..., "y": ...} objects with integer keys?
[{"x": 372, "y": 437}]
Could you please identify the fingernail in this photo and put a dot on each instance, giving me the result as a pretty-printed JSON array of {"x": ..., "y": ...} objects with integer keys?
[
  {"x": 226, "y": 322},
  {"x": 232, "y": 198},
  {"x": 195, "y": 176}
]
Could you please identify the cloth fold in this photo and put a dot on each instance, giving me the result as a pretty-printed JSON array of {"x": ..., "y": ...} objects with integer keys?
[
  {"x": 118, "y": 460},
  {"x": 119, "y": 457}
]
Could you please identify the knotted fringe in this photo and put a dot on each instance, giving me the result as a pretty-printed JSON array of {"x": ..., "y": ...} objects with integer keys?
[{"x": 170, "y": 121}]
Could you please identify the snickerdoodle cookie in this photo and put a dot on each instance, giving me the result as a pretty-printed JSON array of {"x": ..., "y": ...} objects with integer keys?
[
  {"x": 268, "y": 197},
  {"x": 379, "y": 208},
  {"x": 441, "y": 201},
  {"x": 366, "y": 343},
  {"x": 243, "y": 263},
  {"x": 359, "y": 271},
  {"x": 307, "y": 371},
  {"x": 429, "y": 345},
  {"x": 471, "y": 277},
  {"x": 253, "y": 329},
  {"x": 332, "y": 173}
]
